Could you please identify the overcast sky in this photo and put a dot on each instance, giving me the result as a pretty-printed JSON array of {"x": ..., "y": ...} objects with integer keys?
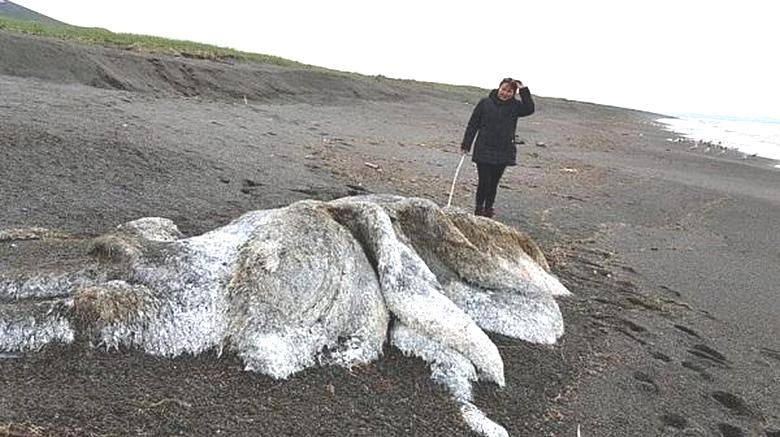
[{"x": 668, "y": 56}]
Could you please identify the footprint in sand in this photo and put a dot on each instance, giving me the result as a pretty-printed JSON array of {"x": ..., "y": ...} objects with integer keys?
[
  {"x": 733, "y": 403},
  {"x": 668, "y": 290},
  {"x": 249, "y": 186},
  {"x": 727, "y": 430},
  {"x": 698, "y": 369},
  {"x": 709, "y": 354},
  {"x": 646, "y": 382},
  {"x": 633, "y": 326},
  {"x": 660, "y": 356},
  {"x": 631, "y": 329},
  {"x": 687, "y": 330},
  {"x": 770, "y": 353},
  {"x": 674, "y": 420}
]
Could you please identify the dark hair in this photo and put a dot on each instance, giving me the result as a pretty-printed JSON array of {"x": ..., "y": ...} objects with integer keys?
[{"x": 510, "y": 81}]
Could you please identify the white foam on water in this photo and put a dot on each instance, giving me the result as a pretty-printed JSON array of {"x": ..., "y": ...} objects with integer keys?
[{"x": 752, "y": 137}]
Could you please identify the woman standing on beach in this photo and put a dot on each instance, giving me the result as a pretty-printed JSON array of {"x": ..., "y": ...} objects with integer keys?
[{"x": 495, "y": 120}]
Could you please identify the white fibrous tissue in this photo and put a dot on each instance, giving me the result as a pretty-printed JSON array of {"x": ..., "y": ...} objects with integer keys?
[{"x": 313, "y": 283}]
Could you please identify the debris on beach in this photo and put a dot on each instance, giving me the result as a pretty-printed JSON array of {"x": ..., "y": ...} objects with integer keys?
[{"x": 313, "y": 283}]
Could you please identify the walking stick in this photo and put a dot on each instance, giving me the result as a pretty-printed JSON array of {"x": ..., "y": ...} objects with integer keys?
[{"x": 457, "y": 170}]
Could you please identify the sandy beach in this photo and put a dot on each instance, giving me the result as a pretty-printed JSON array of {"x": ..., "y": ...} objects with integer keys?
[{"x": 671, "y": 252}]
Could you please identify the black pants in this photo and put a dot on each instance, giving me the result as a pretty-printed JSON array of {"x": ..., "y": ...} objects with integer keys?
[{"x": 489, "y": 176}]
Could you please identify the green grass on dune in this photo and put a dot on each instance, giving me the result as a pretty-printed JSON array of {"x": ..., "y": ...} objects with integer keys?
[
  {"x": 128, "y": 41},
  {"x": 189, "y": 49}
]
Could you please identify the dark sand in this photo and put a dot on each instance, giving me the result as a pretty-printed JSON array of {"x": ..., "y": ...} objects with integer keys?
[{"x": 671, "y": 252}]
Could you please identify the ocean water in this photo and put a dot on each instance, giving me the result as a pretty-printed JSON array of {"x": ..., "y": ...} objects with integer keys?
[{"x": 751, "y": 137}]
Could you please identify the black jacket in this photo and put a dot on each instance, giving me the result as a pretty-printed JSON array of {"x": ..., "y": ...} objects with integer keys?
[{"x": 496, "y": 122}]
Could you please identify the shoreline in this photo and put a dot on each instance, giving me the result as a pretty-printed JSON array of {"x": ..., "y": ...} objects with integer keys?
[
  {"x": 671, "y": 329},
  {"x": 717, "y": 135}
]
